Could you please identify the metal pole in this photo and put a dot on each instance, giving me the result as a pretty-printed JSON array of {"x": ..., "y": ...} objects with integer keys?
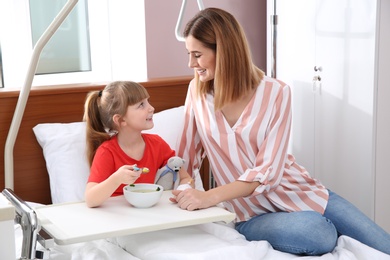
[
  {"x": 274, "y": 23},
  {"x": 179, "y": 35},
  {"x": 25, "y": 91}
]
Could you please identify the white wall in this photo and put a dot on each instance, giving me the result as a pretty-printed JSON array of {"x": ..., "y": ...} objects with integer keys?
[{"x": 382, "y": 178}]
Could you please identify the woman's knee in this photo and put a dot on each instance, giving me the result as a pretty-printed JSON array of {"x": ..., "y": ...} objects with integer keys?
[
  {"x": 317, "y": 234},
  {"x": 303, "y": 233}
]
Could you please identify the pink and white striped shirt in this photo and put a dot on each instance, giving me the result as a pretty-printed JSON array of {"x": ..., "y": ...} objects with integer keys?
[{"x": 254, "y": 149}]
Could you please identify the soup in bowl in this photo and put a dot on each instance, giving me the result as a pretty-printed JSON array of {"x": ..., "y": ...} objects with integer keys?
[{"x": 143, "y": 195}]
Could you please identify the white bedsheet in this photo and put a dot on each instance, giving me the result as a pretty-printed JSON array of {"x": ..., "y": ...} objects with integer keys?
[{"x": 207, "y": 241}]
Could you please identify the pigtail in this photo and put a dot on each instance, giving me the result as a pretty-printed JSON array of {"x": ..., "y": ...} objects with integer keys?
[{"x": 96, "y": 132}]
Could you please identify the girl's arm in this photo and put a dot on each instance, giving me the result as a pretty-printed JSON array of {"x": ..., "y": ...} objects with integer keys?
[
  {"x": 185, "y": 178},
  {"x": 97, "y": 193}
]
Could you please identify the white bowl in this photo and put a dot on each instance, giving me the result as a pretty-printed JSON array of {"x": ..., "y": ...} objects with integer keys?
[{"x": 143, "y": 195}]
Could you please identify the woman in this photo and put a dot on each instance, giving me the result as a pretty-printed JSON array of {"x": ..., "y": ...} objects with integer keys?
[{"x": 241, "y": 119}]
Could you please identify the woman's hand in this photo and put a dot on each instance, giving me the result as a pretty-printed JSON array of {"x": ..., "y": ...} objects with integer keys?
[{"x": 191, "y": 199}]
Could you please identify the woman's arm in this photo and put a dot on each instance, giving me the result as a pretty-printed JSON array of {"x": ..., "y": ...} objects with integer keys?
[
  {"x": 189, "y": 146},
  {"x": 192, "y": 199},
  {"x": 271, "y": 148}
]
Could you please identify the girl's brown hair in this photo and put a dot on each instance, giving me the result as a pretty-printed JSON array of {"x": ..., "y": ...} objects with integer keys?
[
  {"x": 235, "y": 73},
  {"x": 101, "y": 106}
]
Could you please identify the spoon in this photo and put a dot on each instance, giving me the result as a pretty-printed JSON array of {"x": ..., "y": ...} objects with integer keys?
[{"x": 144, "y": 169}]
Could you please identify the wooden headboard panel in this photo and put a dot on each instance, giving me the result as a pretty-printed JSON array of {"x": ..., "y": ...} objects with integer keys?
[{"x": 61, "y": 104}]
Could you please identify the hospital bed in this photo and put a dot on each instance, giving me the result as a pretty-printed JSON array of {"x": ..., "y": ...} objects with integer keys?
[{"x": 50, "y": 170}]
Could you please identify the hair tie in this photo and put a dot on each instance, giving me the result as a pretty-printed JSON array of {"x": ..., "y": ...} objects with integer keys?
[{"x": 100, "y": 93}]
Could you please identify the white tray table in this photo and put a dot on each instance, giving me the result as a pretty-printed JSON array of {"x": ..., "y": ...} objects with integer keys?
[{"x": 74, "y": 222}]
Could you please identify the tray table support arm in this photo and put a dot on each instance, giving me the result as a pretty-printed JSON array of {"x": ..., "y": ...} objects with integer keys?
[{"x": 27, "y": 218}]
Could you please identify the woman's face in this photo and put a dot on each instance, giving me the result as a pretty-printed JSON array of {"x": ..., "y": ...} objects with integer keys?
[{"x": 201, "y": 59}]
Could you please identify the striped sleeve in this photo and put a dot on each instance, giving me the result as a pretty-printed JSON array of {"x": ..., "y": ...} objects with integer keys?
[
  {"x": 189, "y": 146},
  {"x": 274, "y": 117}
]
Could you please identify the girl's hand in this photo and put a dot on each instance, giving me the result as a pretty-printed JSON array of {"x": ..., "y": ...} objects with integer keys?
[
  {"x": 191, "y": 199},
  {"x": 127, "y": 175}
]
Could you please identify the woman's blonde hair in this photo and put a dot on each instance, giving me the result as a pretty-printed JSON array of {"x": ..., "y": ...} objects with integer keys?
[
  {"x": 235, "y": 73},
  {"x": 101, "y": 106}
]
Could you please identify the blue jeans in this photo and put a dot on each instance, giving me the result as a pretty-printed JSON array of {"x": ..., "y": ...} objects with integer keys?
[{"x": 310, "y": 233}]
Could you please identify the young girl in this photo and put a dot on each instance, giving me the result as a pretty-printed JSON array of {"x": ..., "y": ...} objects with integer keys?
[{"x": 115, "y": 118}]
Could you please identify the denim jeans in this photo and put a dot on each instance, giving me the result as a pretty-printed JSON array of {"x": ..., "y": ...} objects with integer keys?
[{"x": 310, "y": 233}]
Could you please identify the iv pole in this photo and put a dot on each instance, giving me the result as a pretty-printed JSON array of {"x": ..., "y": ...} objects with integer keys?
[
  {"x": 274, "y": 24},
  {"x": 179, "y": 35}
]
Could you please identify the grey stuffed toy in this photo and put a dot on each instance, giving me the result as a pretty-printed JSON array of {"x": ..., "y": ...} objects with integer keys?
[{"x": 168, "y": 176}]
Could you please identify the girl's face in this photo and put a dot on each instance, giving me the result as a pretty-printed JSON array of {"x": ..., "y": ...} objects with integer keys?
[
  {"x": 139, "y": 116},
  {"x": 201, "y": 59}
]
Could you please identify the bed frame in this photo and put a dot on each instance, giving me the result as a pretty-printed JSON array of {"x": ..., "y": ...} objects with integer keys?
[{"x": 63, "y": 104}]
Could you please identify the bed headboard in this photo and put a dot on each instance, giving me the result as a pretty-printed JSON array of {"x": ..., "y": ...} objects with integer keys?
[{"x": 61, "y": 104}]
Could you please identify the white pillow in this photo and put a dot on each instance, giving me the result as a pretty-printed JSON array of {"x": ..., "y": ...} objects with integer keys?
[{"x": 64, "y": 149}]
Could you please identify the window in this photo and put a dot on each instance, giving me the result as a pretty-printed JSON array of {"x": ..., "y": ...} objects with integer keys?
[
  {"x": 68, "y": 49},
  {"x": 108, "y": 43}
]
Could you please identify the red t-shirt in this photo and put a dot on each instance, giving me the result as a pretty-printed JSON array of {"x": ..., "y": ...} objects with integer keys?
[{"x": 110, "y": 157}]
